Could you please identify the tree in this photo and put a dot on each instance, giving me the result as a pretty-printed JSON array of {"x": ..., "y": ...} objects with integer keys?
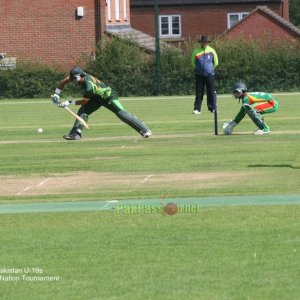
[{"x": 294, "y": 11}]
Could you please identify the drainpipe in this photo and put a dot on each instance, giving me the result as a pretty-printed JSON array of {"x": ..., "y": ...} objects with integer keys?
[{"x": 98, "y": 33}]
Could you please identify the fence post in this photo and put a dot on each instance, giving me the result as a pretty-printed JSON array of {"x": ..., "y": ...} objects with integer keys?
[{"x": 157, "y": 49}]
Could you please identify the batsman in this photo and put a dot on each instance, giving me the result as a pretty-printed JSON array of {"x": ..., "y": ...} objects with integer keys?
[
  {"x": 254, "y": 105},
  {"x": 95, "y": 95}
]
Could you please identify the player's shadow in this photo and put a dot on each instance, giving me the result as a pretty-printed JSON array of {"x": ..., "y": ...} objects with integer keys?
[{"x": 274, "y": 166}]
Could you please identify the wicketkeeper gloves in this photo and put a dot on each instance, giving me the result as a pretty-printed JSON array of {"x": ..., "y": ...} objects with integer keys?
[{"x": 228, "y": 127}]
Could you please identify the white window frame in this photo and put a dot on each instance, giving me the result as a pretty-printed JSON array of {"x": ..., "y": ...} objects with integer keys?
[
  {"x": 117, "y": 9},
  {"x": 170, "y": 27},
  {"x": 108, "y": 10},
  {"x": 240, "y": 16},
  {"x": 125, "y": 9}
]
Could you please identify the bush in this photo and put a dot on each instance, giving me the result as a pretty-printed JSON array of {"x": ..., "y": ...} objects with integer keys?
[
  {"x": 176, "y": 72},
  {"x": 262, "y": 67},
  {"x": 273, "y": 67},
  {"x": 123, "y": 66},
  {"x": 28, "y": 81}
]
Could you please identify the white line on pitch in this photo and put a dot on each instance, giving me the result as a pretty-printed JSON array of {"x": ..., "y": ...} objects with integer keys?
[
  {"x": 141, "y": 182},
  {"x": 42, "y": 182},
  {"x": 145, "y": 179},
  {"x": 108, "y": 203},
  {"x": 24, "y": 190}
]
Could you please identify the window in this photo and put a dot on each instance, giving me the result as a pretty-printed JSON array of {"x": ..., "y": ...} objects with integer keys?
[
  {"x": 234, "y": 18},
  {"x": 169, "y": 26}
]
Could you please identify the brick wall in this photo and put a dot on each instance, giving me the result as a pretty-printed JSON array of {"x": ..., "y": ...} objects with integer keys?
[
  {"x": 195, "y": 20},
  {"x": 264, "y": 21},
  {"x": 48, "y": 31}
]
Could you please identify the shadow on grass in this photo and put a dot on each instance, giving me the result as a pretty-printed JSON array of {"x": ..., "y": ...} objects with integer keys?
[{"x": 273, "y": 166}]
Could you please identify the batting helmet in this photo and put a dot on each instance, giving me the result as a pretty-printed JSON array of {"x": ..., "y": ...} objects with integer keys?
[
  {"x": 238, "y": 89},
  {"x": 76, "y": 73}
]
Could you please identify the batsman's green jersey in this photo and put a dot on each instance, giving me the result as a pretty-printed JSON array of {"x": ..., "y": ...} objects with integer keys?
[
  {"x": 95, "y": 89},
  {"x": 262, "y": 103}
]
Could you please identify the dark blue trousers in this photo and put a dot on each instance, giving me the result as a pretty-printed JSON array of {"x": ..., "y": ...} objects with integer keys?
[{"x": 203, "y": 82}]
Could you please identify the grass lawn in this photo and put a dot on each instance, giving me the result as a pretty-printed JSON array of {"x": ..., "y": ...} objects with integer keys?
[
  {"x": 224, "y": 252},
  {"x": 219, "y": 253}
]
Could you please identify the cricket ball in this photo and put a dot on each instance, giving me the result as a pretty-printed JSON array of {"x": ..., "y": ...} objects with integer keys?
[
  {"x": 171, "y": 208},
  {"x": 40, "y": 130}
]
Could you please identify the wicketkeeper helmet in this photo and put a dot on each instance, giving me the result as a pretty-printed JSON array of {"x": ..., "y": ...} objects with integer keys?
[
  {"x": 76, "y": 73},
  {"x": 238, "y": 89}
]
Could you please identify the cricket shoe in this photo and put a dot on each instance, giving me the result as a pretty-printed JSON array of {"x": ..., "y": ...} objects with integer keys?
[
  {"x": 72, "y": 137},
  {"x": 147, "y": 134},
  {"x": 262, "y": 131},
  {"x": 196, "y": 112}
]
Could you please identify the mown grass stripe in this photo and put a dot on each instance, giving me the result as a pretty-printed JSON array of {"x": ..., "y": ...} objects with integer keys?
[{"x": 112, "y": 204}]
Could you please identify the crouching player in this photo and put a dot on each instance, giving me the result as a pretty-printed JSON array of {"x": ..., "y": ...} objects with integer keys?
[{"x": 254, "y": 105}]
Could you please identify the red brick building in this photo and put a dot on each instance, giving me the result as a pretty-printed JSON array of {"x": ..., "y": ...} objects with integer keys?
[
  {"x": 57, "y": 32},
  {"x": 61, "y": 32},
  {"x": 182, "y": 20},
  {"x": 263, "y": 17}
]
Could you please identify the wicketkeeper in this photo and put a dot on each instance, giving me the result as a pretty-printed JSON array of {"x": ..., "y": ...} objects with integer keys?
[
  {"x": 254, "y": 105},
  {"x": 95, "y": 95}
]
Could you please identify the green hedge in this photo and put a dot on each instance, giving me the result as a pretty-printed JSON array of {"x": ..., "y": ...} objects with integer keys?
[
  {"x": 28, "y": 81},
  {"x": 273, "y": 67},
  {"x": 124, "y": 67},
  {"x": 31, "y": 80},
  {"x": 130, "y": 71}
]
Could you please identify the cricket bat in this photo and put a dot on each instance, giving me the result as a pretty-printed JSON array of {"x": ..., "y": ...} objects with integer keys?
[{"x": 78, "y": 118}]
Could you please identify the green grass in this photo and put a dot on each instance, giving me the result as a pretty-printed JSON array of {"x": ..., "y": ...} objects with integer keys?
[
  {"x": 218, "y": 253},
  {"x": 181, "y": 143},
  {"x": 236, "y": 252}
]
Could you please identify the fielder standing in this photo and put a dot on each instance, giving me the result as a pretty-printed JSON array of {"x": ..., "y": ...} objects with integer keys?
[
  {"x": 95, "y": 94},
  {"x": 254, "y": 105},
  {"x": 204, "y": 62}
]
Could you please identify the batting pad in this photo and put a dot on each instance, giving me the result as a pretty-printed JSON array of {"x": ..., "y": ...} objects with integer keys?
[{"x": 132, "y": 121}]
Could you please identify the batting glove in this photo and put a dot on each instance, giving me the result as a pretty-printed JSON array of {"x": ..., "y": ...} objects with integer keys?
[
  {"x": 55, "y": 99},
  {"x": 63, "y": 104}
]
